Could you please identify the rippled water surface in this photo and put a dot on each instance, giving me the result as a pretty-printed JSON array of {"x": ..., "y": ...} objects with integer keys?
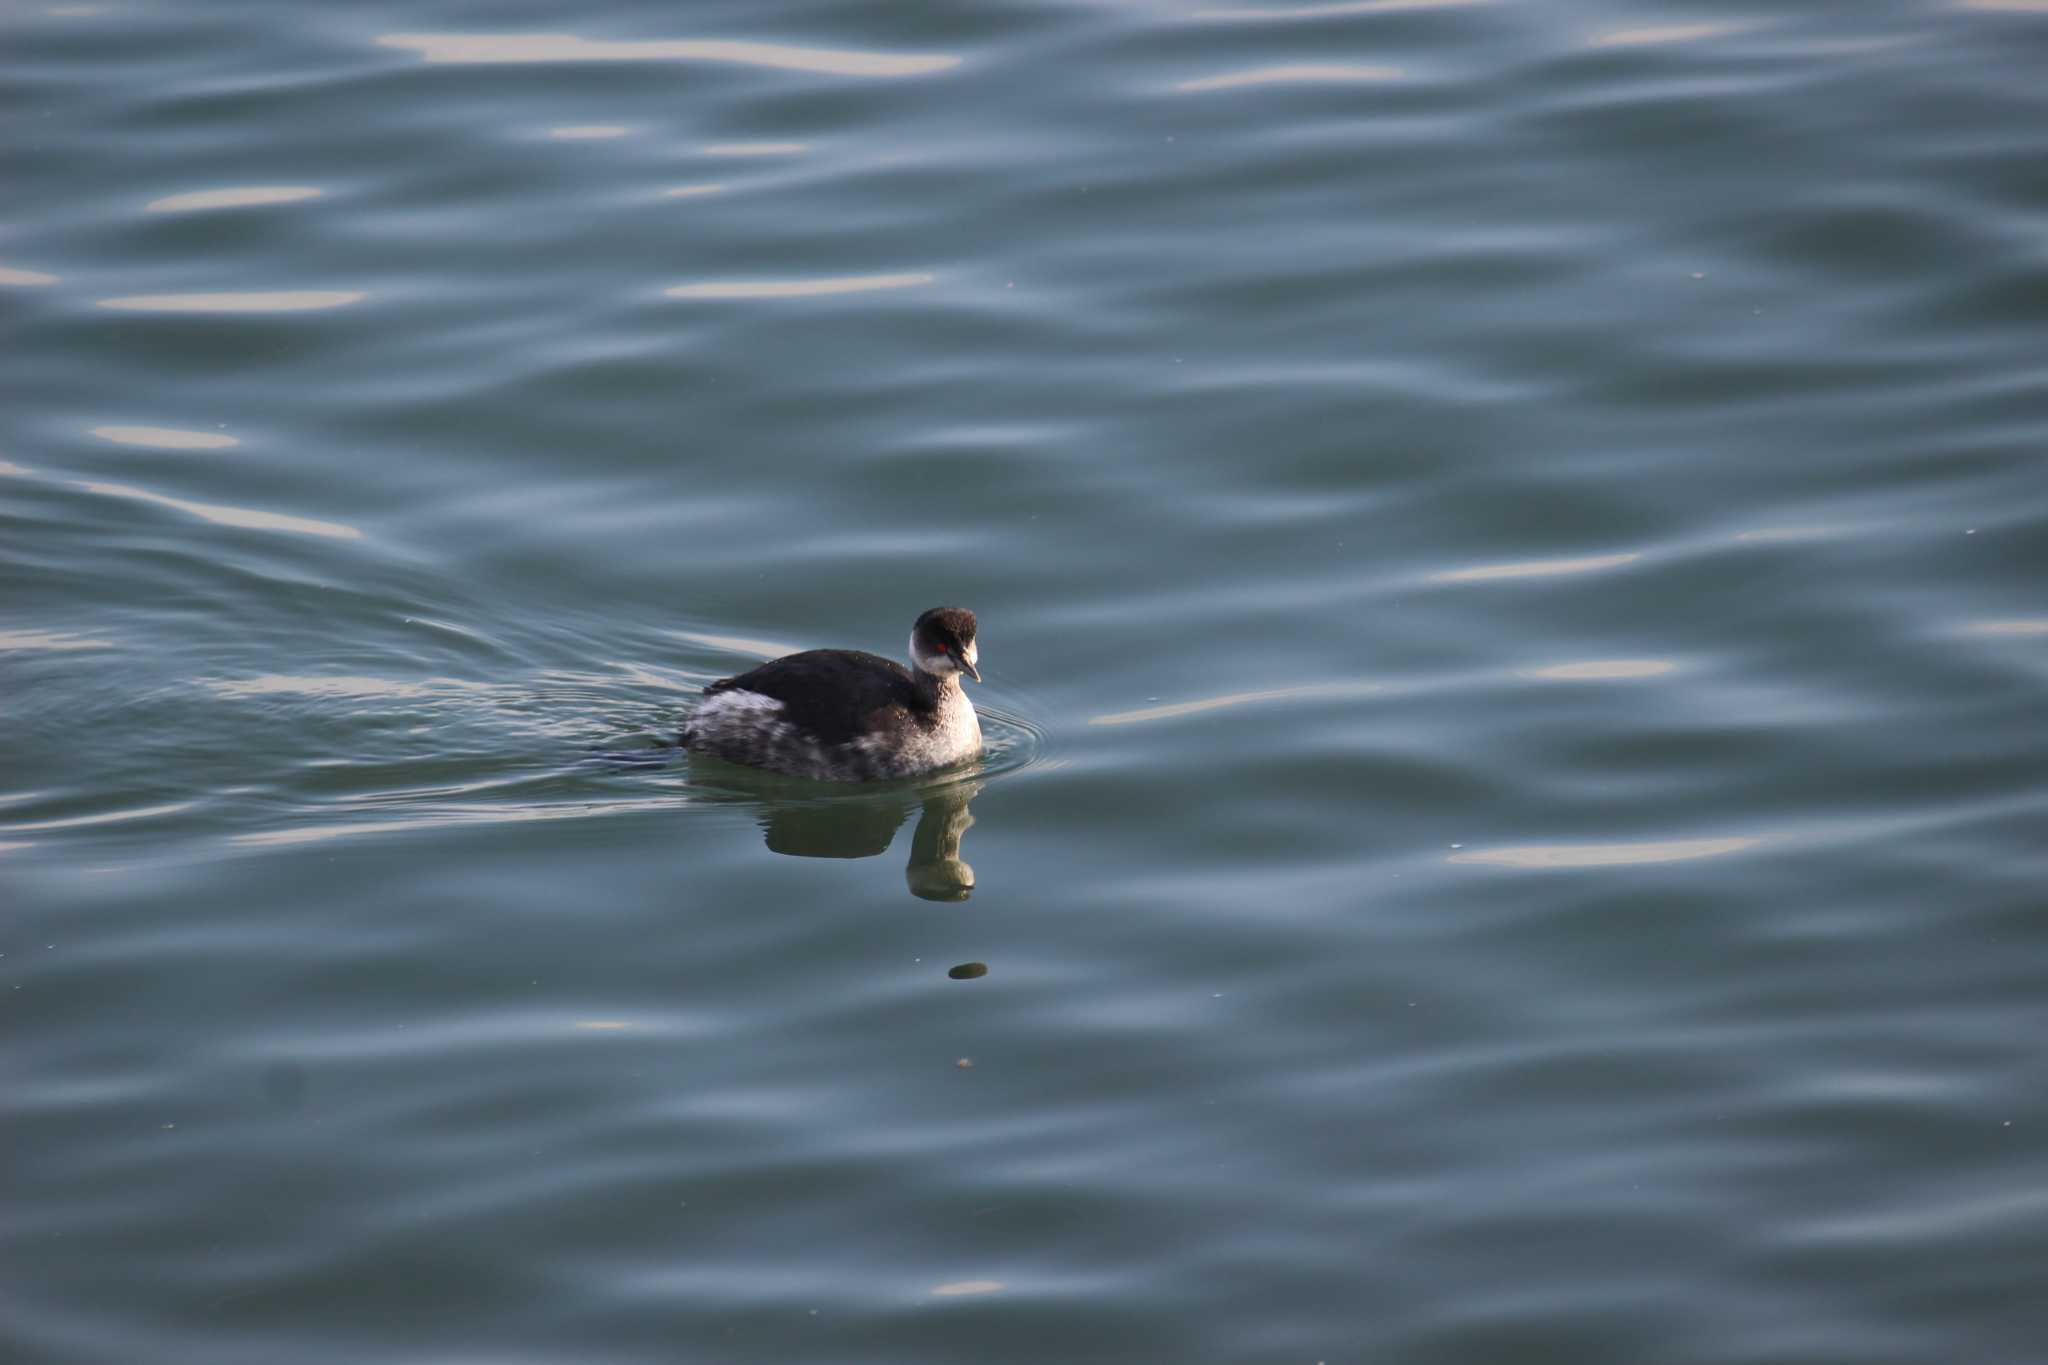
[{"x": 1510, "y": 542}]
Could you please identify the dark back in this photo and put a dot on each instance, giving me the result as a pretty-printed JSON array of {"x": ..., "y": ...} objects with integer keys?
[{"x": 831, "y": 692}]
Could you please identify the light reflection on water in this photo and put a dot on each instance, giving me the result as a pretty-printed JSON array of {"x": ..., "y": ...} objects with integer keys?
[
  {"x": 1603, "y": 855},
  {"x": 794, "y": 289},
  {"x": 1791, "y": 534},
  {"x": 247, "y": 517},
  {"x": 1191, "y": 708},
  {"x": 1330, "y": 11},
  {"x": 739, "y": 644},
  {"x": 1601, "y": 670},
  {"x": 2037, "y": 625},
  {"x": 287, "y": 685},
  {"x": 272, "y": 301},
  {"x": 747, "y": 149},
  {"x": 104, "y": 818},
  {"x": 1661, "y": 35},
  {"x": 49, "y": 640},
  {"x": 221, "y": 514},
  {"x": 1534, "y": 568},
  {"x": 166, "y": 438},
  {"x": 451, "y": 816},
  {"x": 1305, "y": 74},
  {"x": 567, "y": 47},
  {"x": 247, "y": 196}
]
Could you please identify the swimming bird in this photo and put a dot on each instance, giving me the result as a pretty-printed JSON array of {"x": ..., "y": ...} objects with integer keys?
[{"x": 845, "y": 715}]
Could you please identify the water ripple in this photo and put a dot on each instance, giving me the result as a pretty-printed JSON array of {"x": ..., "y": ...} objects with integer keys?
[
  {"x": 451, "y": 816},
  {"x": 220, "y": 514},
  {"x": 739, "y": 644},
  {"x": 104, "y": 818}
]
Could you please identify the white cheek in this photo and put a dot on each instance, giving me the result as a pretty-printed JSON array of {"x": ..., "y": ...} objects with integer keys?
[{"x": 940, "y": 664}]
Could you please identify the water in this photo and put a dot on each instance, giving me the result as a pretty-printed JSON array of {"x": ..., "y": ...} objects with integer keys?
[{"x": 1510, "y": 542}]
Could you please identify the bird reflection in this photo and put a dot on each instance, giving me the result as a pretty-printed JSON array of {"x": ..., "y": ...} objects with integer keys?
[
  {"x": 864, "y": 826},
  {"x": 936, "y": 871}
]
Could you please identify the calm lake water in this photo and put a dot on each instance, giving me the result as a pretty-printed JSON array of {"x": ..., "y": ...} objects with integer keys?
[{"x": 1512, "y": 550}]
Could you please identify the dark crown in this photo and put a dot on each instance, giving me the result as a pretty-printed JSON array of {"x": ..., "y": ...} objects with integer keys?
[{"x": 947, "y": 626}]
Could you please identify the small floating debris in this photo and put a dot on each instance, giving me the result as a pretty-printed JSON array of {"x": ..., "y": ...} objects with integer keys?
[{"x": 968, "y": 971}]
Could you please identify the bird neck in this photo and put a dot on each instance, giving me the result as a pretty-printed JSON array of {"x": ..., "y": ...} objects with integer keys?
[{"x": 935, "y": 688}]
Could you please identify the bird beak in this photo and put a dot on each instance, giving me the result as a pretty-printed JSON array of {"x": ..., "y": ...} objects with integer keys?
[{"x": 972, "y": 671}]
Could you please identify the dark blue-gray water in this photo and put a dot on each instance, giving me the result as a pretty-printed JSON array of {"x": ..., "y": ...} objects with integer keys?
[{"x": 1512, "y": 549}]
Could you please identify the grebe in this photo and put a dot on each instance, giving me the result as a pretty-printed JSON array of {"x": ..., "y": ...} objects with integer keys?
[{"x": 845, "y": 715}]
